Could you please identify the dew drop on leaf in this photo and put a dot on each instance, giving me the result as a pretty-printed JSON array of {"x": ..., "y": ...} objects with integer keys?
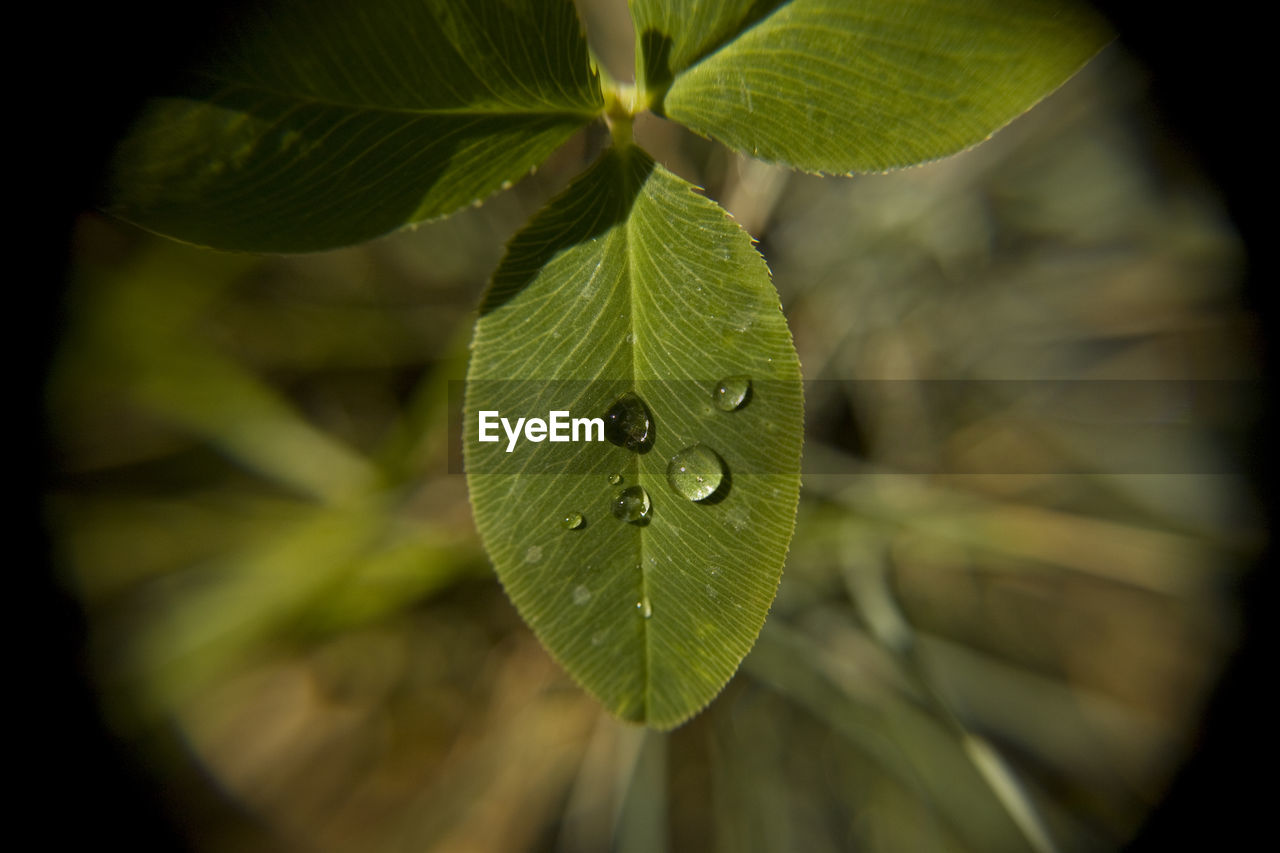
[
  {"x": 572, "y": 521},
  {"x": 628, "y": 423},
  {"x": 615, "y": 479},
  {"x": 645, "y": 608},
  {"x": 581, "y": 595},
  {"x": 632, "y": 505},
  {"x": 731, "y": 393},
  {"x": 695, "y": 472}
]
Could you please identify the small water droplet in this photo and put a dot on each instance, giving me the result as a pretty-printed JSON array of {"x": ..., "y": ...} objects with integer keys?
[
  {"x": 533, "y": 554},
  {"x": 645, "y": 608},
  {"x": 615, "y": 479},
  {"x": 628, "y": 423},
  {"x": 695, "y": 472},
  {"x": 631, "y": 338},
  {"x": 506, "y": 185},
  {"x": 581, "y": 595},
  {"x": 572, "y": 521},
  {"x": 632, "y": 505},
  {"x": 731, "y": 393},
  {"x": 597, "y": 639},
  {"x": 711, "y": 593},
  {"x": 715, "y": 571}
]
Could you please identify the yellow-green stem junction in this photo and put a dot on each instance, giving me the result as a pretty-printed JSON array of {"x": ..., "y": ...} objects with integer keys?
[{"x": 620, "y": 109}]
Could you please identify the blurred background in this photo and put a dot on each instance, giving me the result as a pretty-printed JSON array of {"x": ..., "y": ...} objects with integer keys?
[{"x": 1001, "y": 627}]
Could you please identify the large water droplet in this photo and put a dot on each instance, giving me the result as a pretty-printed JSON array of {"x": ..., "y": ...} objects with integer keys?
[
  {"x": 628, "y": 423},
  {"x": 695, "y": 472},
  {"x": 645, "y": 608},
  {"x": 572, "y": 521},
  {"x": 615, "y": 479},
  {"x": 731, "y": 393},
  {"x": 632, "y": 505}
]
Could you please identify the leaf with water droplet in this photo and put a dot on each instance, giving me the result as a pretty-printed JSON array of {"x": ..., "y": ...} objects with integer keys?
[
  {"x": 632, "y": 505},
  {"x": 630, "y": 249},
  {"x": 731, "y": 393},
  {"x": 696, "y": 473},
  {"x": 628, "y": 423}
]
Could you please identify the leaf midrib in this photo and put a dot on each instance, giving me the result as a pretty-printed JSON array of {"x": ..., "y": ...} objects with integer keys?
[
  {"x": 624, "y": 160},
  {"x": 417, "y": 112}
]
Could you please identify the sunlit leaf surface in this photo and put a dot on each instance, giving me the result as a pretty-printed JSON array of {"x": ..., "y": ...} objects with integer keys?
[
  {"x": 856, "y": 85},
  {"x": 631, "y": 282},
  {"x": 325, "y": 123}
]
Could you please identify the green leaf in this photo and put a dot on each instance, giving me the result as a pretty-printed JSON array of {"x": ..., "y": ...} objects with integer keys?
[
  {"x": 328, "y": 122},
  {"x": 856, "y": 85},
  {"x": 632, "y": 282}
]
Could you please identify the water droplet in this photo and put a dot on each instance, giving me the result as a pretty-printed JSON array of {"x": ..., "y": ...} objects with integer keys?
[
  {"x": 597, "y": 639},
  {"x": 628, "y": 423},
  {"x": 695, "y": 472},
  {"x": 506, "y": 185},
  {"x": 631, "y": 338},
  {"x": 731, "y": 393},
  {"x": 572, "y": 521},
  {"x": 711, "y": 593},
  {"x": 615, "y": 479},
  {"x": 645, "y": 608},
  {"x": 533, "y": 554},
  {"x": 715, "y": 571},
  {"x": 632, "y": 505},
  {"x": 581, "y": 595}
]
